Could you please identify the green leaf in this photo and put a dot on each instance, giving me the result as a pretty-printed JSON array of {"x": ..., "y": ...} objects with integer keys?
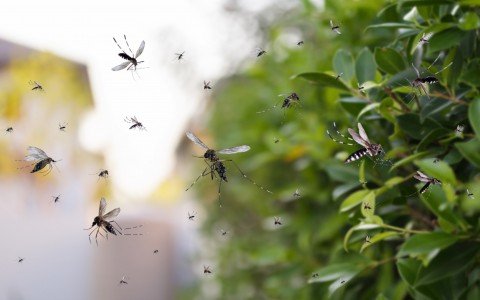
[
  {"x": 354, "y": 200},
  {"x": 408, "y": 269},
  {"x": 353, "y": 105},
  {"x": 440, "y": 170},
  {"x": 389, "y": 60},
  {"x": 368, "y": 108},
  {"x": 470, "y": 150},
  {"x": 448, "y": 262},
  {"x": 411, "y": 125},
  {"x": 412, "y": 3},
  {"x": 474, "y": 115},
  {"x": 343, "y": 63},
  {"x": 377, "y": 238},
  {"x": 369, "y": 201},
  {"x": 361, "y": 226},
  {"x": 392, "y": 25},
  {"x": 365, "y": 66},
  {"x": 445, "y": 39},
  {"x": 426, "y": 242},
  {"x": 323, "y": 79},
  {"x": 469, "y": 21},
  {"x": 408, "y": 159}
]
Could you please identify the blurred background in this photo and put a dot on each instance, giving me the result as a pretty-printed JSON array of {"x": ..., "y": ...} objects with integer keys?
[{"x": 68, "y": 49}]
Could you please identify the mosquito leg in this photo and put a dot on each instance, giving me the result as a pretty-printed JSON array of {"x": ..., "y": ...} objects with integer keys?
[
  {"x": 117, "y": 224},
  {"x": 219, "y": 192},
  {"x": 338, "y": 141},
  {"x": 125, "y": 37},
  {"x": 119, "y": 45},
  {"x": 204, "y": 173},
  {"x": 268, "y": 109},
  {"x": 248, "y": 178}
]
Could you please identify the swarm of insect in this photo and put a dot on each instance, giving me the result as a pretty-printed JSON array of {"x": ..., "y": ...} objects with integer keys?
[
  {"x": 369, "y": 148},
  {"x": 206, "y": 270},
  {"x": 36, "y": 86},
  {"x": 62, "y": 127},
  {"x": 131, "y": 60},
  {"x": 428, "y": 181},
  {"x": 104, "y": 221},
  {"x": 260, "y": 52},
  {"x": 191, "y": 216},
  {"x": 9, "y": 130},
  {"x": 277, "y": 221},
  {"x": 135, "y": 123},
  {"x": 424, "y": 39},
  {"x": 335, "y": 28},
  {"x": 179, "y": 56},
  {"x": 206, "y": 85},
  {"x": 215, "y": 165},
  {"x": 40, "y": 159}
]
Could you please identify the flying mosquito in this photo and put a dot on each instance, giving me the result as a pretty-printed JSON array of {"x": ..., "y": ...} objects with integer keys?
[
  {"x": 206, "y": 270},
  {"x": 361, "y": 88},
  {"x": 300, "y": 43},
  {"x": 20, "y": 259},
  {"x": 215, "y": 165},
  {"x": 102, "y": 174},
  {"x": 40, "y": 158},
  {"x": 315, "y": 275},
  {"x": 290, "y": 100},
  {"x": 335, "y": 28},
  {"x": 123, "y": 280},
  {"x": 260, "y": 52},
  {"x": 424, "y": 39},
  {"x": 131, "y": 60},
  {"x": 366, "y": 206},
  {"x": 62, "y": 127},
  {"x": 9, "y": 130},
  {"x": 191, "y": 216},
  {"x": 459, "y": 130},
  {"x": 206, "y": 85},
  {"x": 104, "y": 221},
  {"x": 56, "y": 198},
  {"x": 470, "y": 194},
  {"x": 155, "y": 251},
  {"x": 369, "y": 148},
  {"x": 367, "y": 239},
  {"x": 338, "y": 76},
  {"x": 223, "y": 232},
  {"x": 179, "y": 55},
  {"x": 428, "y": 181},
  {"x": 36, "y": 86},
  {"x": 135, "y": 123},
  {"x": 421, "y": 83},
  {"x": 277, "y": 221},
  {"x": 296, "y": 194}
]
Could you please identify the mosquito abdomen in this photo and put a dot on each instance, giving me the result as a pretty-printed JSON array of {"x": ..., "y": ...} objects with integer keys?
[
  {"x": 40, "y": 165},
  {"x": 356, "y": 155}
]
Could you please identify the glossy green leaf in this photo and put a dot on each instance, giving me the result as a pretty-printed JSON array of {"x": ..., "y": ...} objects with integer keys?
[
  {"x": 445, "y": 39},
  {"x": 343, "y": 63},
  {"x": 474, "y": 115},
  {"x": 470, "y": 150},
  {"x": 365, "y": 67},
  {"x": 355, "y": 199},
  {"x": 389, "y": 60},
  {"x": 408, "y": 269},
  {"x": 426, "y": 242},
  {"x": 377, "y": 238},
  {"x": 324, "y": 79},
  {"x": 361, "y": 226},
  {"x": 469, "y": 21},
  {"x": 408, "y": 159}
]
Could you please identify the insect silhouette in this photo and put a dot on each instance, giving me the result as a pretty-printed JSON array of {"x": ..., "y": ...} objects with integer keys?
[
  {"x": 290, "y": 100},
  {"x": 36, "y": 86},
  {"x": 206, "y": 270},
  {"x": 131, "y": 60},
  {"x": 179, "y": 55},
  {"x": 315, "y": 275},
  {"x": 277, "y": 221},
  {"x": 296, "y": 194},
  {"x": 62, "y": 127},
  {"x": 104, "y": 221},
  {"x": 470, "y": 194},
  {"x": 424, "y": 39},
  {"x": 9, "y": 130},
  {"x": 459, "y": 130},
  {"x": 335, "y": 28},
  {"x": 428, "y": 181},
  {"x": 366, "y": 206},
  {"x": 103, "y": 174},
  {"x": 342, "y": 282},
  {"x": 223, "y": 232},
  {"x": 300, "y": 43},
  {"x": 155, "y": 251},
  {"x": 206, "y": 85},
  {"x": 421, "y": 82},
  {"x": 276, "y": 140},
  {"x": 123, "y": 280},
  {"x": 368, "y": 149},
  {"x": 20, "y": 259},
  {"x": 361, "y": 88},
  {"x": 367, "y": 239},
  {"x": 338, "y": 76},
  {"x": 191, "y": 216},
  {"x": 40, "y": 158},
  {"x": 56, "y": 198},
  {"x": 135, "y": 123},
  {"x": 216, "y": 166},
  {"x": 260, "y": 52}
]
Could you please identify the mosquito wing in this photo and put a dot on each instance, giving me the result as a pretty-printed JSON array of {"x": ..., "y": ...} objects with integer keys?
[
  {"x": 111, "y": 214},
  {"x": 422, "y": 177},
  {"x": 362, "y": 132},
  {"x": 35, "y": 153},
  {"x": 196, "y": 140},
  {"x": 140, "y": 49},
  {"x": 357, "y": 138},
  {"x": 121, "y": 66},
  {"x": 102, "y": 206},
  {"x": 238, "y": 149}
]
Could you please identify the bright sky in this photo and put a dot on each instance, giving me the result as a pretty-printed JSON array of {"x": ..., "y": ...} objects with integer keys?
[{"x": 168, "y": 93}]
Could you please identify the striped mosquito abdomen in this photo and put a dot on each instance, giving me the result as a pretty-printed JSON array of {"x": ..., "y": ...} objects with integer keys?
[
  {"x": 428, "y": 79},
  {"x": 41, "y": 164},
  {"x": 221, "y": 170},
  {"x": 109, "y": 227},
  {"x": 356, "y": 155}
]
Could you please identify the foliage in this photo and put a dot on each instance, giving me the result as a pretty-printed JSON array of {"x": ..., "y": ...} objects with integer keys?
[{"x": 424, "y": 246}]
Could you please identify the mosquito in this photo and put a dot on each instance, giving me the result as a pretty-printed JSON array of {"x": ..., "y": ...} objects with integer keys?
[
  {"x": 315, "y": 275},
  {"x": 20, "y": 259},
  {"x": 216, "y": 166},
  {"x": 428, "y": 181},
  {"x": 276, "y": 140},
  {"x": 123, "y": 280},
  {"x": 179, "y": 55},
  {"x": 290, "y": 100},
  {"x": 62, "y": 127},
  {"x": 104, "y": 221},
  {"x": 260, "y": 52},
  {"x": 155, "y": 251},
  {"x": 335, "y": 28},
  {"x": 296, "y": 194},
  {"x": 206, "y": 270},
  {"x": 36, "y": 86},
  {"x": 135, "y": 123},
  {"x": 9, "y": 130},
  {"x": 368, "y": 149},
  {"x": 421, "y": 83},
  {"x": 459, "y": 130},
  {"x": 277, "y": 221},
  {"x": 367, "y": 239},
  {"x": 366, "y": 206},
  {"x": 102, "y": 174},
  {"x": 470, "y": 195},
  {"x": 338, "y": 76},
  {"x": 424, "y": 39},
  {"x": 56, "y": 198},
  {"x": 191, "y": 216},
  {"x": 300, "y": 43},
  {"x": 206, "y": 85},
  {"x": 40, "y": 158},
  {"x": 223, "y": 232},
  {"x": 131, "y": 60},
  {"x": 361, "y": 88}
]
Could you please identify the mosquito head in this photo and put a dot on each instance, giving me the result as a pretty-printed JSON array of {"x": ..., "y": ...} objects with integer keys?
[
  {"x": 96, "y": 221},
  {"x": 376, "y": 149},
  {"x": 210, "y": 155}
]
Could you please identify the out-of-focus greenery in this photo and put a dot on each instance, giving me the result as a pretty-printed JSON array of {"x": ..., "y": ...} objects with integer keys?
[{"x": 418, "y": 246}]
